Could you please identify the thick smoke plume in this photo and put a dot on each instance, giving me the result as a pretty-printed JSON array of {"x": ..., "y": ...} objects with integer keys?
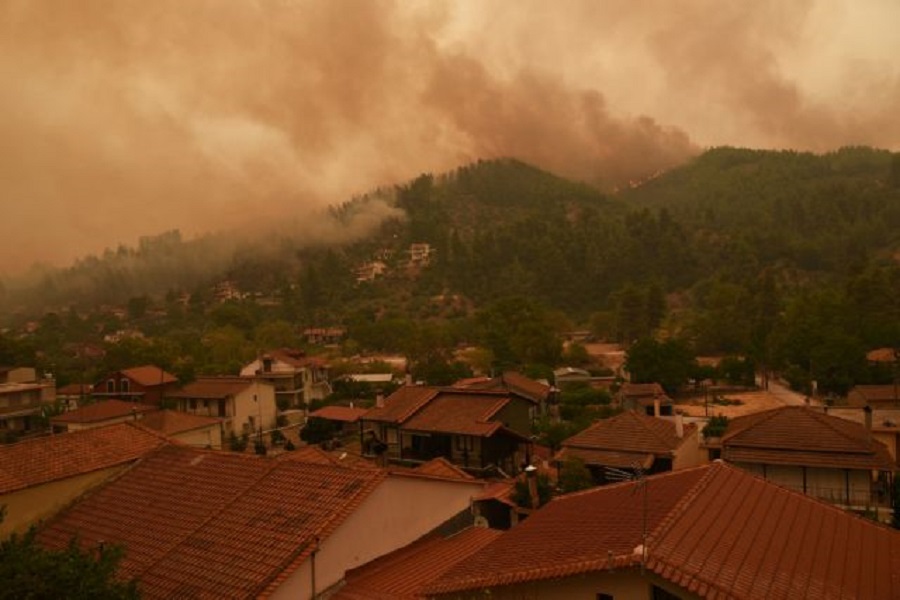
[{"x": 120, "y": 119}]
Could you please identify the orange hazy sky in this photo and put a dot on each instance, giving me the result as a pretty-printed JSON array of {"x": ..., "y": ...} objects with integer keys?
[{"x": 127, "y": 118}]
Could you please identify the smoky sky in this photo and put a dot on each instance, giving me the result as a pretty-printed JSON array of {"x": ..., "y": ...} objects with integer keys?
[{"x": 127, "y": 118}]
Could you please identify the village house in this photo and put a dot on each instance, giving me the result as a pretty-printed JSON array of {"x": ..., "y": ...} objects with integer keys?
[
  {"x": 244, "y": 406},
  {"x": 99, "y": 414},
  {"x": 344, "y": 418},
  {"x": 192, "y": 430},
  {"x": 147, "y": 384},
  {"x": 480, "y": 430},
  {"x": 631, "y": 442},
  {"x": 74, "y": 394},
  {"x": 538, "y": 393},
  {"x": 323, "y": 336},
  {"x": 204, "y": 524},
  {"x": 369, "y": 271},
  {"x": 714, "y": 531},
  {"x": 875, "y": 396},
  {"x": 298, "y": 379},
  {"x": 813, "y": 453},
  {"x": 650, "y": 398},
  {"x": 41, "y": 475},
  {"x": 22, "y": 395}
]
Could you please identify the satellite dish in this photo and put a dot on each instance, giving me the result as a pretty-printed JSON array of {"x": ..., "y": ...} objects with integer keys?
[{"x": 481, "y": 522}]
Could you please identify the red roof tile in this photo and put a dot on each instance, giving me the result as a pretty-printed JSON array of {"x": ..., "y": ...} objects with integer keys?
[
  {"x": 463, "y": 414},
  {"x": 346, "y": 414},
  {"x": 637, "y": 390},
  {"x": 171, "y": 422},
  {"x": 873, "y": 395},
  {"x": 511, "y": 381},
  {"x": 213, "y": 388},
  {"x": 149, "y": 375},
  {"x": 42, "y": 460},
  {"x": 631, "y": 432},
  {"x": 213, "y": 524},
  {"x": 606, "y": 458},
  {"x": 715, "y": 530},
  {"x": 796, "y": 435},
  {"x": 102, "y": 410},
  {"x": 402, "y": 404},
  {"x": 401, "y": 575},
  {"x": 441, "y": 467}
]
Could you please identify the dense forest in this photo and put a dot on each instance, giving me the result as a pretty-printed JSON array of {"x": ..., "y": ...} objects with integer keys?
[{"x": 789, "y": 259}]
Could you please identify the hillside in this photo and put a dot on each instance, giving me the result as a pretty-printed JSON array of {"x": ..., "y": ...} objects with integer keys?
[{"x": 789, "y": 258}]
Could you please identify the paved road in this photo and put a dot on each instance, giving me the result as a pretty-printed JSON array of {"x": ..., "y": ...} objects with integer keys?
[{"x": 788, "y": 396}]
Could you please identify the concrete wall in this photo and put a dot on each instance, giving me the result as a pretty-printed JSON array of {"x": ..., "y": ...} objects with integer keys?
[
  {"x": 690, "y": 454},
  {"x": 401, "y": 510},
  {"x": 208, "y": 437},
  {"x": 28, "y": 506},
  {"x": 245, "y": 407}
]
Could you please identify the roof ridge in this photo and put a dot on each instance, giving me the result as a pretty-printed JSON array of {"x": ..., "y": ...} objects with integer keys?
[
  {"x": 495, "y": 408},
  {"x": 751, "y": 420},
  {"x": 646, "y": 425},
  {"x": 419, "y": 405},
  {"x": 828, "y": 420},
  {"x": 666, "y": 523}
]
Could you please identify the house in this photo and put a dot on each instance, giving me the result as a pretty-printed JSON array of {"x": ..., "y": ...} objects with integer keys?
[
  {"x": 401, "y": 574},
  {"x": 633, "y": 441},
  {"x": 298, "y": 379},
  {"x": 324, "y": 335},
  {"x": 713, "y": 531},
  {"x": 22, "y": 395},
  {"x": 537, "y": 392},
  {"x": 74, "y": 394},
  {"x": 204, "y": 524},
  {"x": 147, "y": 384},
  {"x": 876, "y": 396},
  {"x": 479, "y": 430},
  {"x": 369, "y": 271},
  {"x": 813, "y": 453},
  {"x": 189, "y": 429},
  {"x": 244, "y": 406},
  {"x": 344, "y": 418},
  {"x": 648, "y": 397},
  {"x": 885, "y": 424},
  {"x": 99, "y": 414},
  {"x": 420, "y": 253},
  {"x": 41, "y": 475}
]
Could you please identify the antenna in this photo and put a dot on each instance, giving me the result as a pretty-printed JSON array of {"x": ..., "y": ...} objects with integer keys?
[{"x": 639, "y": 477}]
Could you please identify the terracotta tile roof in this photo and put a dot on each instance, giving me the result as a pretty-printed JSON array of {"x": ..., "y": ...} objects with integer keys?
[
  {"x": 149, "y": 375},
  {"x": 204, "y": 524},
  {"x": 213, "y": 388},
  {"x": 796, "y": 435},
  {"x": 295, "y": 358},
  {"x": 170, "y": 422},
  {"x": 635, "y": 390},
  {"x": 102, "y": 410},
  {"x": 75, "y": 389},
  {"x": 873, "y": 395},
  {"x": 511, "y": 381},
  {"x": 441, "y": 467},
  {"x": 346, "y": 414},
  {"x": 309, "y": 454},
  {"x": 42, "y": 460},
  {"x": 501, "y": 491},
  {"x": 401, "y": 575},
  {"x": 631, "y": 432},
  {"x": 887, "y": 355},
  {"x": 460, "y": 413},
  {"x": 606, "y": 458},
  {"x": 402, "y": 404},
  {"x": 715, "y": 531}
]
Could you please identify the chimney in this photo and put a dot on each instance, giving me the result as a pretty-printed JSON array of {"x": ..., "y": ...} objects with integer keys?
[
  {"x": 379, "y": 399},
  {"x": 868, "y": 411},
  {"x": 408, "y": 379},
  {"x": 679, "y": 426},
  {"x": 531, "y": 478},
  {"x": 656, "y": 411}
]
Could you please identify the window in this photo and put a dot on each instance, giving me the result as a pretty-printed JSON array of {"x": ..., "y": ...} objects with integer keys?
[
  {"x": 192, "y": 404},
  {"x": 124, "y": 386},
  {"x": 110, "y": 387}
]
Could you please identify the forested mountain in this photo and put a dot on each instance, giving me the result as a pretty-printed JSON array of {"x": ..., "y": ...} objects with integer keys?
[{"x": 792, "y": 259}]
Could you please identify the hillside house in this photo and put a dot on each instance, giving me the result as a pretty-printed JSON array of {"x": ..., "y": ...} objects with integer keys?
[
  {"x": 244, "y": 406},
  {"x": 204, "y": 524},
  {"x": 813, "y": 453},
  {"x": 537, "y": 392},
  {"x": 147, "y": 384},
  {"x": 875, "y": 396},
  {"x": 479, "y": 430},
  {"x": 41, "y": 475},
  {"x": 632, "y": 441},
  {"x": 298, "y": 379},
  {"x": 99, "y": 414},
  {"x": 22, "y": 395},
  {"x": 714, "y": 531},
  {"x": 650, "y": 398},
  {"x": 192, "y": 430}
]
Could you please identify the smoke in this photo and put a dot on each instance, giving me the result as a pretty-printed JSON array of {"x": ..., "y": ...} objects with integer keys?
[{"x": 129, "y": 118}]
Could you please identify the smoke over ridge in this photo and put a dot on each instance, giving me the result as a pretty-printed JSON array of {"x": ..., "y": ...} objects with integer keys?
[{"x": 126, "y": 118}]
